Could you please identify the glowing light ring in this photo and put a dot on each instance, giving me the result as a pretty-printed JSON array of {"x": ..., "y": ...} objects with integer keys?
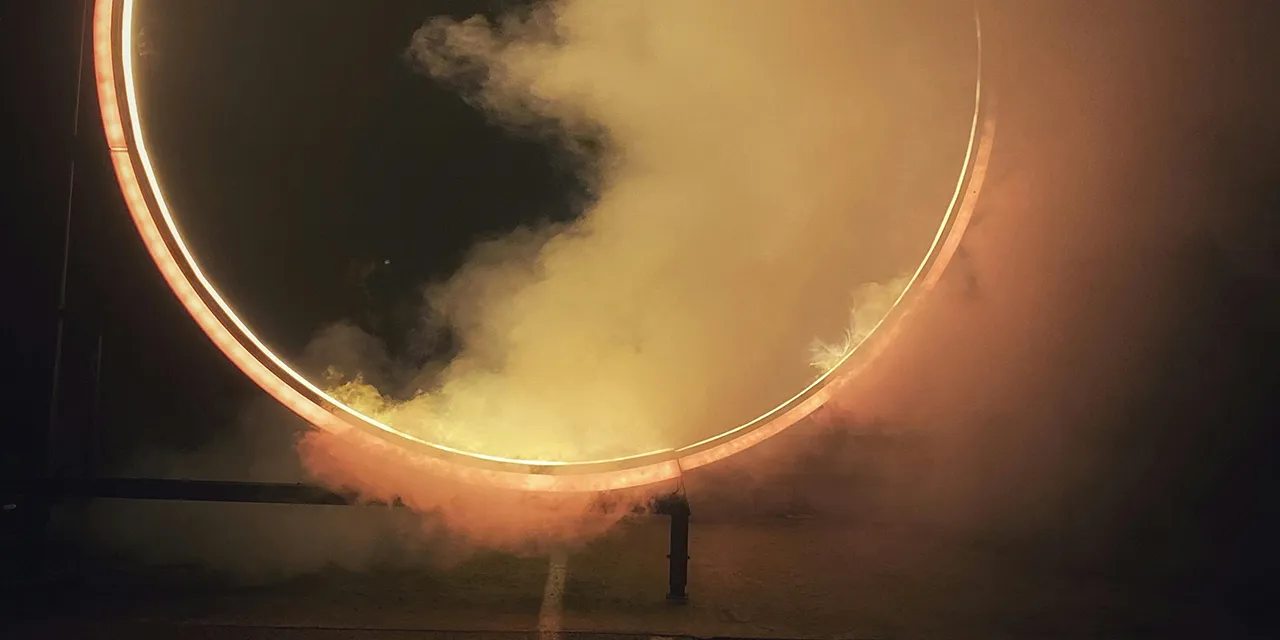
[{"x": 113, "y": 63}]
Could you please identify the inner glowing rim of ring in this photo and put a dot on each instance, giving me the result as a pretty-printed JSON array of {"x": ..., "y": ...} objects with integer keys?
[{"x": 114, "y": 65}]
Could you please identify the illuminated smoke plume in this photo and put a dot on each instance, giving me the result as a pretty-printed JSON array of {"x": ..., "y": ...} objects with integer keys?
[
  {"x": 1053, "y": 390},
  {"x": 751, "y": 164},
  {"x": 871, "y": 303}
]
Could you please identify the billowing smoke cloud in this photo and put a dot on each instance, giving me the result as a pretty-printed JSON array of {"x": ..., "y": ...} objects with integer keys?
[
  {"x": 1071, "y": 385},
  {"x": 1077, "y": 379},
  {"x": 753, "y": 165},
  {"x": 426, "y": 524}
]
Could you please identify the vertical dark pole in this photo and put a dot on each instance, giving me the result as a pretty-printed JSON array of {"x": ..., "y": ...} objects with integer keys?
[
  {"x": 51, "y": 440},
  {"x": 93, "y": 436},
  {"x": 679, "y": 552},
  {"x": 677, "y": 506},
  {"x": 35, "y": 522}
]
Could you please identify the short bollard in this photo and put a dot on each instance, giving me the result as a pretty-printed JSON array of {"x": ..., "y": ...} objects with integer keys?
[{"x": 677, "y": 506}]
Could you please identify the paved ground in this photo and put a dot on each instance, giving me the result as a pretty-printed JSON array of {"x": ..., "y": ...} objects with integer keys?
[
  {"x": 779, "y": 578},
  {"x": 813, "y": 579}
]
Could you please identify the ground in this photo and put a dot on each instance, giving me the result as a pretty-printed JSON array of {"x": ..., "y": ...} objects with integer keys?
[{"x": 772, "y": 577}]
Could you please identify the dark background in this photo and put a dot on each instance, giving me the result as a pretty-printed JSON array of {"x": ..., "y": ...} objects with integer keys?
[
  {"x": 1205, "y": 428},
  {"x": 309, "y": 157},
  {"x": 317, "y": 175},
  {"x": 371, "y": 181}
]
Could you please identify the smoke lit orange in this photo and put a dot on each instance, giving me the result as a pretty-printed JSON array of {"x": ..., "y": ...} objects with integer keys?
[{"x": 145, "y": 196}]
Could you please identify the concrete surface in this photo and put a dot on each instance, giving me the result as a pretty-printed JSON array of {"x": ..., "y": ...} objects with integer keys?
[{"x": 774, "y": 578}]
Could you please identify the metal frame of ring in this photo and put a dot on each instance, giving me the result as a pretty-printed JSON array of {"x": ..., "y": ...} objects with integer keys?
[{"x": 114, "y": 57}]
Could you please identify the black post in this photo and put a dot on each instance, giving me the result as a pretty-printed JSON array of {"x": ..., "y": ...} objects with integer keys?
[
  {"x": 92, "y": 436},
  {"x": 34, "y": 512},
  {"x": 51, "y": 438},
  {"x": 677, "y": 506}
]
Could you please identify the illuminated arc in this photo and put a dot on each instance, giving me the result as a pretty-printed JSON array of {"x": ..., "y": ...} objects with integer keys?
[{"x": 114, "y": 58}]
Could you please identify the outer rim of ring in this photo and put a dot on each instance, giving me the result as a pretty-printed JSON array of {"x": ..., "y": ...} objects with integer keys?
[{"x": 144, "y": 198}]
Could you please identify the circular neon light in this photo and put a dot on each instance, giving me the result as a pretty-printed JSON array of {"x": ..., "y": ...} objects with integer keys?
[{"x": 114, "y": 57}]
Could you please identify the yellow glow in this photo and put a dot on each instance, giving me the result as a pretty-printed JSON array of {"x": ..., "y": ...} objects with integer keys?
[{"x": 334, "y": 412}]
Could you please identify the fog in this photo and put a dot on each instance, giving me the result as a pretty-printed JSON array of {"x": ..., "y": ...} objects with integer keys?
[
  {"x": 1081, "y": 384},
  {"x": 1070, "y": 388},
  {"x": 752, "y": 168}
]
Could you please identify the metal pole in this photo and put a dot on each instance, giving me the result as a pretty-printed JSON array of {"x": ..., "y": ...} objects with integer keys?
[
  {"x": 38, "y": 510},
  {"x": 60, "y": 338},
  {"x": 677, "y": 506},
  {"x": 93, "y": 437}
]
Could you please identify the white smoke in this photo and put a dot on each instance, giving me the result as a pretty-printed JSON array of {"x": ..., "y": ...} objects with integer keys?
[{"x": 752, "y": 164}]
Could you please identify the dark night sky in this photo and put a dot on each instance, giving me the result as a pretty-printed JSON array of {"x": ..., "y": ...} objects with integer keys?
[
  {"x": 345, "y": 76},
  {"x": 311, "y": 148},
  {"x": 300, "y": 146}
]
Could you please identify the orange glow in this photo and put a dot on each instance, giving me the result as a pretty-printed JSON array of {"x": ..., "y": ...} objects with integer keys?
[{"x": 113, "y": 58}]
